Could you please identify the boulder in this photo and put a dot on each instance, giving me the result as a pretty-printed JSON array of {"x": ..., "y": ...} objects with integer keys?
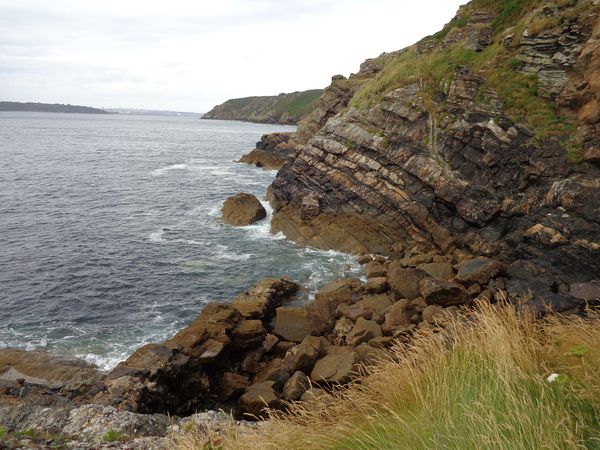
[
  {"x": 398, "y": 316},
  {"x": 251, "y": 362},
  {"x": 586, "y": 291},
  {"x": 263, "y": 297},
  {"x": 478, "y": 271},
  {"x": 304, "y": 355},
  {"x": 328, "y": 299},
  {"x": 353, "y": 312},
  {"x": 404, "y": 282},
  {"x": 257, "y": 398},
  {"x": 443, "y": 293},
  {"x": 364, "y": 259},
  {"x": 231, "y": 385},
  {"x": 363, "y": 331},
  {"x": 441, "y": 270},
  {"x": 335, "y": 368},
  {"x": 377, "y": 285},
  {"x": 376, "y": 303},
  {"x": 295, "y": 387},
  {"x": 275, "y": 371},
  {"x": 248, "y": 334},
  {"x": 370, "y": 355},
  {"x": 375, "y": 269},
  {"x": 293, "y": 323},
  {"x": 431, "y": 313},
  {"x": 242, "y": 209}
]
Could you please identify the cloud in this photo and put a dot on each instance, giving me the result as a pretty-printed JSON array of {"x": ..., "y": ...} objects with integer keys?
[{"x": 190, "y": 55}]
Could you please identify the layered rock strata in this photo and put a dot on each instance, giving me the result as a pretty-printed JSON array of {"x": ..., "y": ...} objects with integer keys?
[{"x": 453, "y": 166}]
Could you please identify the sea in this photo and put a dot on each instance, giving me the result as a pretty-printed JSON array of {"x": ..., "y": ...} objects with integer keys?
[{"x": 110, "y": 231}]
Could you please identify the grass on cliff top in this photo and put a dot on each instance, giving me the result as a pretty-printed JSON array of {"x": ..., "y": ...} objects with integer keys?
[{"x": 482, "y": 384}]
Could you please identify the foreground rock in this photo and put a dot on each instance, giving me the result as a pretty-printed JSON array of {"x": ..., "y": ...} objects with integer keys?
[{"x": 242, "y": 209}]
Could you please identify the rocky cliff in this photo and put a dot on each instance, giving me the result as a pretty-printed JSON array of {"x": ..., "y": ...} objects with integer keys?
[
  {"x": 482, "y": 139},
  {"x": 285, "y": 109}
]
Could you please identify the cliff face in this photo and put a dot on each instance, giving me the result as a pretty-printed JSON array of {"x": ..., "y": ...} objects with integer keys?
[
  {"x": 285, "y": 109},
  {"x": 482, "y": 139}
]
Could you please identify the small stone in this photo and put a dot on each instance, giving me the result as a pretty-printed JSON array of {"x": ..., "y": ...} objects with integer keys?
[
  {"x": 397, "y": 316},
  {"x": 293, "y": 323},
  {"x": 364, "y": 259},
  {"x": 275, "y": 371},
  {"x": 586, "y": 291}
]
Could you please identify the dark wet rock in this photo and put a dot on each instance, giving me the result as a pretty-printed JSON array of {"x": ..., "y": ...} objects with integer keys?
[{"x": 242, "y": 209}]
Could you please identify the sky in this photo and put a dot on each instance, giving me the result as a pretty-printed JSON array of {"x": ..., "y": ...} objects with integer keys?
[{"x": 189, "y": 55}]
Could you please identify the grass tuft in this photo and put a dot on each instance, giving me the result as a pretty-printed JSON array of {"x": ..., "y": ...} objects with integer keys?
[
  {"x": 112, "y": 436},
  {"x": 482, "y": 383}
]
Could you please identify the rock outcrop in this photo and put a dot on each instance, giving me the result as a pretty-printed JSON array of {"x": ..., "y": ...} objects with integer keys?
[
  {"x": 271, "y": 152},
  {"x": 479, "y": 141},
  {"x": 242, "y": 209},
  {"x": 285, "y": 109}
]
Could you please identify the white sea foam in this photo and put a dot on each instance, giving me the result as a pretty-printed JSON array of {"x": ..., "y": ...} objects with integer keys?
[
  {"x": 157, "y": 236},
  {"x": 163, "y": 170}
]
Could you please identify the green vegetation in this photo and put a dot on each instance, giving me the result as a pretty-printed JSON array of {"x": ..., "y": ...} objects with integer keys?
[
  {"x": 519, "y": 92},
  {"x": 27, "y": 432},
  {"x": 112, "y": 436},
  {"x": 287, "y": 107},
  {"x": 2, "y": 432},
  {"x": 500, "y": 380}
]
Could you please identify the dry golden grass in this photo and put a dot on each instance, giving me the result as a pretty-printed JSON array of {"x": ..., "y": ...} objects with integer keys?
[{"x": 481, "y": 384}]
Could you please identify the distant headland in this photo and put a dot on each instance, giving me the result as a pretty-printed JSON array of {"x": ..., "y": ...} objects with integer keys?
[{"x": 49, "y": 107}]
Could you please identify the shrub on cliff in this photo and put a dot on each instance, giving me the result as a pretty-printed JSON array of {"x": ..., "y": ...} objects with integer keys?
[{"x": 499, "y": 380}]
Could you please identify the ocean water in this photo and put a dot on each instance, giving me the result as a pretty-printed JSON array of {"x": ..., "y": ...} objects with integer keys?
[{"x": 110, "y": 235}]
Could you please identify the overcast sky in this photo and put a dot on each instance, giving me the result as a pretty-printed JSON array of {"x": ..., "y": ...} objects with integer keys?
[{"x": 189, "y": 55}]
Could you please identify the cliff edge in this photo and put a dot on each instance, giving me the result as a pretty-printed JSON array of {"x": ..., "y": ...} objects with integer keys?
[{"x": 483, "y": 139}]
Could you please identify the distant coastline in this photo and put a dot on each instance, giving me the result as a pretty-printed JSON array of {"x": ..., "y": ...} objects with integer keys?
[{"x": 49, "y": 107}]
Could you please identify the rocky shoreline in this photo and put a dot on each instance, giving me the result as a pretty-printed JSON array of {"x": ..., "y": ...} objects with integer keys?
[{"x": 444, "y": 194}]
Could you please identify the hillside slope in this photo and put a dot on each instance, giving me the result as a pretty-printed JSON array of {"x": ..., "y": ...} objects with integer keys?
[
  {"x": 49, "y": 107},
  {"x": 286, "y": 109},
  {"x": 483, "y": 139}
]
